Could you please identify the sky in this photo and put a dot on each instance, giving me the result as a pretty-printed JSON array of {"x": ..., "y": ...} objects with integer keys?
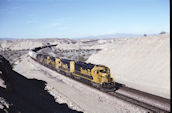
[{"x": 82, "y": 18}]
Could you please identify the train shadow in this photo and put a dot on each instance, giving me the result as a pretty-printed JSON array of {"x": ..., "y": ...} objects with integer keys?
[
  {"x": 29, "y": 96},
  {"x": 118, "y": 85}
]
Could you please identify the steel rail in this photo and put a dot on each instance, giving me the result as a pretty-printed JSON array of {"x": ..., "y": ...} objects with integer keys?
[{"x": 142, "y": 99}]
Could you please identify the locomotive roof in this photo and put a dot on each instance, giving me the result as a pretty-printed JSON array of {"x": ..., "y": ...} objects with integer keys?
[
  {"x": 66, "y": 60},
  {"x": 52, "y": 58},
  {"x": 85, "y": 65}
]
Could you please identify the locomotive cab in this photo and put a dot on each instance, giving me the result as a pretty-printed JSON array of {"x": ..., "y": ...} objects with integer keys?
[{"x": 104, "y": 76}]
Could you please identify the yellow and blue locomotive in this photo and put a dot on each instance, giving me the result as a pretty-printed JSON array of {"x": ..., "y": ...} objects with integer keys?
[{"x": 98, "y": 75}]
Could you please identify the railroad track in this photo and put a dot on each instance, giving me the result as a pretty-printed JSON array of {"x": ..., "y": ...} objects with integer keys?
[{"x": 152, "y": 103}]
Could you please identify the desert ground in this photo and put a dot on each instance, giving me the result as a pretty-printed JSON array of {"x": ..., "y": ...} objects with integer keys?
[{"x": 141, "y": 62}]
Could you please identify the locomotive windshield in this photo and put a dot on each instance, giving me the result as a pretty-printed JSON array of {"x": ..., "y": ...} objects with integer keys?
[{"x": 103, "y": 71}]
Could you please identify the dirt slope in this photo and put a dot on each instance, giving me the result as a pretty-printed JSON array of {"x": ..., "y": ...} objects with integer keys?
[
  {"x": 76, "y": 95},
  {"x": 142, "y": 63},
  {"x": 26, "y": 95}
]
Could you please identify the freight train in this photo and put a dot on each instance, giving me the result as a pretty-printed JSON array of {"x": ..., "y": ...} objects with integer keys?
[{"x": 97, "y": 75}]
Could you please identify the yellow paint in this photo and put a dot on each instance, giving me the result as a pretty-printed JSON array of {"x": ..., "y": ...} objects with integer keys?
[
  {"x": 42, "y": 59},
  {"x": 45, "y": 61},
  {"x": 72, "y": 66},
  {"x": 86, "y": 72},
  {"x": 58, "y": 62},
  {"x": 100, "y": 77},
  {"x": 53, "y": 63},
  {"x": 48, "y": 60},
  {"x": 80, "y": 76}
]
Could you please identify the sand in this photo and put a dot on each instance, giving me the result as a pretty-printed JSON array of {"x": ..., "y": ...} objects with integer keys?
[
  {"x": 78, "y": 96},
  {"x": 142, "y": 63}
]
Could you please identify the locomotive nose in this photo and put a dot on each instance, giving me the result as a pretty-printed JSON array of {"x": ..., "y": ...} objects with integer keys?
[{"x": 108, "y": 77}]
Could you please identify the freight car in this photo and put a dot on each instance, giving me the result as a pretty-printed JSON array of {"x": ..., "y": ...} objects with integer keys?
[{"x": 97, "y": 75}]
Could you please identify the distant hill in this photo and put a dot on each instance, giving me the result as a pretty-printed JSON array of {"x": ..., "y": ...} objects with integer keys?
[
  {"x": 116, "y": 35},
  {"x": 7, "y": 38}
]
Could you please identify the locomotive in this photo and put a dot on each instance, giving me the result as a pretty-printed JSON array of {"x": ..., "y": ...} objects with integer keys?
[{"x": 97, "y": 75}]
